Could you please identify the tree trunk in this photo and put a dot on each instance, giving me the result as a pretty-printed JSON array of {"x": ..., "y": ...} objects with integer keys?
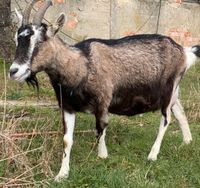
[{"x": 5, "y": 30}]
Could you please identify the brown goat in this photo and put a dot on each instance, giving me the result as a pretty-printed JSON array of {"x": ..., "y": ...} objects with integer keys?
[{"x": 127, "y": 76}]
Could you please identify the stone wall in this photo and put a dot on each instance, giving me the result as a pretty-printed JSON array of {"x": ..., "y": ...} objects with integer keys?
[{"x": 117, "y": 18}]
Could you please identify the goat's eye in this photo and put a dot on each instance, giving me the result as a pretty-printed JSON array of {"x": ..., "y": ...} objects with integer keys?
[
  {"x": 28, "y": 32},
  {"x": 25, "y": 33}
]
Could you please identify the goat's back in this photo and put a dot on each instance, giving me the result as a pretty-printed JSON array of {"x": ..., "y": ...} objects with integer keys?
[{"x": 135, "y": 59}]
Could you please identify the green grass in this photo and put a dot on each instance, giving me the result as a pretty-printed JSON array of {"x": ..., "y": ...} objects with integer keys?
[{"x": 129, "y": 140}]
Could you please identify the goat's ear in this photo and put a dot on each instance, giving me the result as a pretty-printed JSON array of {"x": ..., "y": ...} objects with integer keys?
[
  {"x": 19, "y": 16},
  {"x": 53, "y": 29}
]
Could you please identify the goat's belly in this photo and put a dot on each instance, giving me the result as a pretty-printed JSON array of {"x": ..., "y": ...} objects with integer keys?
[{"x": 133, "y": 105}]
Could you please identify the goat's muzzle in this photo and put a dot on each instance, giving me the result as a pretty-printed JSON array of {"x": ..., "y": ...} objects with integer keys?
[
  {"x": 13, "y": 71},
  {"x": 19, "y": 72}
]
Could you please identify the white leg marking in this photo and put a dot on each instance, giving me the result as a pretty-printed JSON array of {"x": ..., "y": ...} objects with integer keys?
[
  {"x": 102, "y": 150},
  {"x": 156, "y": 146},
  {"x": 180, "y": 116},
  {"x": 68, "y": 141},
  {"x": 163, "y": 127}
]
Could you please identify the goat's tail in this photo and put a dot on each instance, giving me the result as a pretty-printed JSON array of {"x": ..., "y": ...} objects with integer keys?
[
  {"x": 196, "y": 50},
  {"x": 192, "y": 54}
]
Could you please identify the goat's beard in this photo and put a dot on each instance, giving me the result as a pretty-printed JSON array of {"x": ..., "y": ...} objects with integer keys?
[{"x": 33, "y": 81}]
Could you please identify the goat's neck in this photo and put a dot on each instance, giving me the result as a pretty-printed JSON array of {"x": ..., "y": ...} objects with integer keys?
[{"x": 62, "y": 63}]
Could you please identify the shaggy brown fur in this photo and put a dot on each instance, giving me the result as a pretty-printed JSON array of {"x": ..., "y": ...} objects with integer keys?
[{"x": 127, "y": 78}]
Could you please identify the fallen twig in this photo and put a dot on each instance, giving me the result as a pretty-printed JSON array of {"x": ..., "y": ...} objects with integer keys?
[
  {"x": 8, "y": 158},
  {"x": 18, "y": 185},
  {"x": 22, "y": 135},
  {"x": 27, "y": 103},
  {"x": 17, "y": 178},
  {"x": 25, "y": 134}
]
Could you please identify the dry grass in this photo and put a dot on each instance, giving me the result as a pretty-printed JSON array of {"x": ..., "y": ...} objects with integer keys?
[
  {"x": 29, "y": 145},
  {"x": 14, "y": 155}
]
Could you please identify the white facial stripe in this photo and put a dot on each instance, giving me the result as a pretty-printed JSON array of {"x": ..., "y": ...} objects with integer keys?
[
  {"x": 37, "y": 33},
  {"x": 34, "y": 39},
  {"x": 25, "y": 33}
]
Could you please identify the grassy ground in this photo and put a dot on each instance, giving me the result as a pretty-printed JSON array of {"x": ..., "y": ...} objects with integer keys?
[{"x": 33, "y": 159}]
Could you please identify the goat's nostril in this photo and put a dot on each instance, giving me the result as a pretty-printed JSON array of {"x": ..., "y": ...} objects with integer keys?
[{"x": 13, "y": 71}]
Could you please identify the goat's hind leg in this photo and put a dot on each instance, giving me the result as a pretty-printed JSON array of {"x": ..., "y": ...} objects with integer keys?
[
  {"x": 69, "y": 122},
  {"x": 179, "y": 114},
  {"x": 164, "y": 122}
]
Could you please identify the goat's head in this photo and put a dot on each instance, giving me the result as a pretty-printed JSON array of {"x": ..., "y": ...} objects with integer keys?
[{"x": 28, "y": 39}]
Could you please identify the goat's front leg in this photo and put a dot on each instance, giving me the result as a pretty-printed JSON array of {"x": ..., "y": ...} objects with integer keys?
[
  {"x": 69, "y": 122},
  {"x": 101, "y": 124}
]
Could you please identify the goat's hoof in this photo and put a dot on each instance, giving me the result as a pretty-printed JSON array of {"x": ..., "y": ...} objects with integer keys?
[
  {"x": 187, "y": 141},
  {"x": 152, "y": 157},
  {"x": 60, "y": 177},
  {"x": 103, "y": 155}
]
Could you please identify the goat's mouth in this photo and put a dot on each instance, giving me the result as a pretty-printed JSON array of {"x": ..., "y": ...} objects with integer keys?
[
  {"x": 21, "y": 77},
  {"x": 24, "y": 76}
]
